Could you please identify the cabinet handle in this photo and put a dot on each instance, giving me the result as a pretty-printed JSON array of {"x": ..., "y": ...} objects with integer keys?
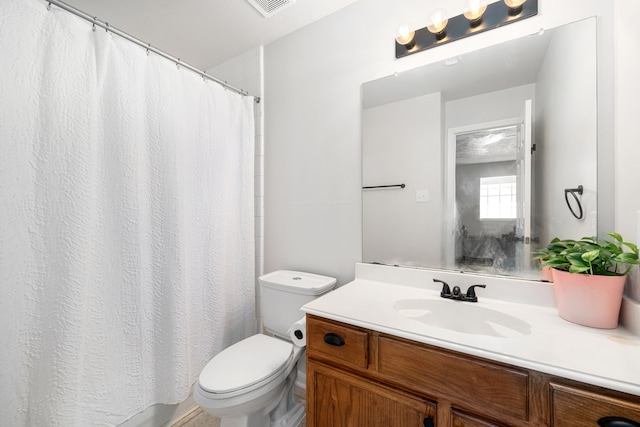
[
  {"x": 428, "y": 422},
  {"x": 617, "y": 422},
  {"x": 333, "y": 339}
]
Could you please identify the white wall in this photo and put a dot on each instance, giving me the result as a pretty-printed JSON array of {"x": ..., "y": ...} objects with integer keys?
[
  {"x": 627, "y": 150},
  {"x": 312, "y": 119},
  {"x": 505, "y": 104},
  {"x": 403, "y": 145},
  {"x": 566, "y": 129}
]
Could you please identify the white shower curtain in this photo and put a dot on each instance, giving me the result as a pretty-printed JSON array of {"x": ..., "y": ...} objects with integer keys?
[{"x": 126, "y": 222}]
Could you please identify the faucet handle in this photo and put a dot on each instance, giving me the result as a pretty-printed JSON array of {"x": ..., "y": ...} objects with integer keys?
[
  {"x": 471, "y": 293},
  {"x": 446, "y": 291}
]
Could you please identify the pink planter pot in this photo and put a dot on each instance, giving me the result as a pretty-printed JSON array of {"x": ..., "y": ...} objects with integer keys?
[{"x": 589, "y": 300}]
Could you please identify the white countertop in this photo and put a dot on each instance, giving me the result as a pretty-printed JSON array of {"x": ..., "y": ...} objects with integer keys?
[{"x": 607, "y": 358}]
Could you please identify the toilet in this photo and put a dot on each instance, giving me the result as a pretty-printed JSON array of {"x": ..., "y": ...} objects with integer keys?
[{"x": 250, "y": 384}]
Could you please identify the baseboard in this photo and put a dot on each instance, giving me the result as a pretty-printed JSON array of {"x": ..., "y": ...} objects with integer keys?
[{"x": 195, "y": 412}]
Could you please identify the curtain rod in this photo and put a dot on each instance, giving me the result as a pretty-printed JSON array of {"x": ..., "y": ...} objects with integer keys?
[{"x": 105, "y": 25}]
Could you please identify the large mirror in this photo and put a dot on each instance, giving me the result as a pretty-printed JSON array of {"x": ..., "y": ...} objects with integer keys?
[{"x": 473, "y": 163}]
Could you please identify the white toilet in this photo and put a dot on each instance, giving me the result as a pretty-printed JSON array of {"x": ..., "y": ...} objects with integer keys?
[{"x": 250, "y": 384}]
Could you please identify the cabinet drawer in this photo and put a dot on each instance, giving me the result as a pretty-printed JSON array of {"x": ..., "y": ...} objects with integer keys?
[
  {"x": 337, "y": 342},
  {"x": 572, "y": 407},
  {"x": 468, "y": 382}
]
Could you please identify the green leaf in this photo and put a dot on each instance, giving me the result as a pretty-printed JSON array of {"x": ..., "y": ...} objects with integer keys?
[
  {"x": 578, "y": 269},
  {"x": 591, "y": 255},
  {"x": 560, "y": 263},
  {"x": 626, "y": 258},
  {"x": 576, "y": 260},
  {"x": 616, "y": 236},
  {"x": 631, "y": 246}
]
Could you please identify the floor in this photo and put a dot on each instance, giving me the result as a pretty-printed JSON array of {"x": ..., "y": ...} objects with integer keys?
[{"x": 199, "y": 418}]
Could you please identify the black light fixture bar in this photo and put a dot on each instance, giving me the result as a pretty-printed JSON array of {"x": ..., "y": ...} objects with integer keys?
[{"x": 458, "y": 27}]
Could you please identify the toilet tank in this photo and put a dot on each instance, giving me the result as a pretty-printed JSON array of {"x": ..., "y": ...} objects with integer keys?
[{"x": 283, "y": 292}]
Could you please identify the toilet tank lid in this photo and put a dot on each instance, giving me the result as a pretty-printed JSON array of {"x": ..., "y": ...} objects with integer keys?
[{"x": 298, "y": 282}]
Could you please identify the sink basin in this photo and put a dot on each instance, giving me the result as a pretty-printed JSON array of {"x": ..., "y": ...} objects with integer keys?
[{"x": 463, "y": 317}]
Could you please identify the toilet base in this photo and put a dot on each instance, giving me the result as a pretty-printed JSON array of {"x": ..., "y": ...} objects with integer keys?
[
  {"x": 251, "y": 420},
  {"x": 292, "y": 418},
  {"x": 283, "y": 412}
]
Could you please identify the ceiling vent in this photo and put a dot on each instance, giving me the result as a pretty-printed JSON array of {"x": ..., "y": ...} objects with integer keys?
[{"x": 270, "y": 7}]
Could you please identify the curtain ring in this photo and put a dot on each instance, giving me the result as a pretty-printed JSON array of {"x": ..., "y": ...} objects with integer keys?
[{"x": 573, "y": 192}]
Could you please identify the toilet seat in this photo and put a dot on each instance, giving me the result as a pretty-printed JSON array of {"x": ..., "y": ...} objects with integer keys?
[{"x": 245, "y": 366}]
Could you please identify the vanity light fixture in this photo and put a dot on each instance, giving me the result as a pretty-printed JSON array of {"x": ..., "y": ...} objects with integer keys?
[
  {"x": 406, "y": 37},
  {"x": 478, "y": 16},
  {"x": 515, "y": 6},
  {"x": 437, "y": 23},
  {"x": 473, "y": 11}
]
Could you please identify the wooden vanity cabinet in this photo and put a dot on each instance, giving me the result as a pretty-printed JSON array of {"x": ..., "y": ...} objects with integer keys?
[{"x": 357, "y": 377}]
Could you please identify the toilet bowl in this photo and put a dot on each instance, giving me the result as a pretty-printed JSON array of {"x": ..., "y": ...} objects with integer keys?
[
  {"x": 249, "y": 378},
  {"x": 251, "y": 383}
]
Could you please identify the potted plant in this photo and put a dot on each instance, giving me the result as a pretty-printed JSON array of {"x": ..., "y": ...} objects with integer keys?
[
  {"x": 589, "y": 277},
  {"x": 553, "y": 249}
]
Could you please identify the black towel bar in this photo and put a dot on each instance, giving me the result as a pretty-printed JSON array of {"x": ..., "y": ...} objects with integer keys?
[{"x": 384, "y": 186}]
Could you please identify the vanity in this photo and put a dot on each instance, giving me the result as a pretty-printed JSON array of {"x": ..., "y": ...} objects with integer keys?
[
  {"x": 386, "y": 350},
  {"x": 437, "y": 142}
]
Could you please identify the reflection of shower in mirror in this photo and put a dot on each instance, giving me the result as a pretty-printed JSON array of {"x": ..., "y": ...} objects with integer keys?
[{"x": 486, "y": 199}]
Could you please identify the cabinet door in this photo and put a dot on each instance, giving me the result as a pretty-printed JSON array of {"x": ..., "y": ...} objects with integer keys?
[
  {"x": 573, "y": 407},
  {"x": 338, "y": 399}
]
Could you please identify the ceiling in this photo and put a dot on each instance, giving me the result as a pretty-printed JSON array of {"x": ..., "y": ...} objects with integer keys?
[{"x": 205, "y": 33}]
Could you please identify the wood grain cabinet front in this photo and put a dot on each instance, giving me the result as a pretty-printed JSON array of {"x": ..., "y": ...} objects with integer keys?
[
  {"x": 467, "y": 382},
  {"x": 337, "y": 343},
  {"x": 577, "y": 407},
  {"x": 461, "y": 419},
  {"x": 339, "y": 399},
  {"x": 358, "y": 377}
]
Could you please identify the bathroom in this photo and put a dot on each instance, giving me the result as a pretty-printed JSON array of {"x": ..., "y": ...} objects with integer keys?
[{"x": 310, "y": 120}]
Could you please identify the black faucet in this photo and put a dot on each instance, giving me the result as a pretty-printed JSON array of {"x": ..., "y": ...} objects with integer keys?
[{"x": 457, "y": 294}]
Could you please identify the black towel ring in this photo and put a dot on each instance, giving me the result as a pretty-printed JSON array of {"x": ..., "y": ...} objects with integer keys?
[{"x": 573, "y": 192}]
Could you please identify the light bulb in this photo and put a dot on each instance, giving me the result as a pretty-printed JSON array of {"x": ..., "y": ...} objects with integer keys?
[
  {"x": 515, "y": 6},
  {"x": 405, "y": 37},
  {"x": 473, "y": 11},
  {"x": 437, "y": 23}
]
